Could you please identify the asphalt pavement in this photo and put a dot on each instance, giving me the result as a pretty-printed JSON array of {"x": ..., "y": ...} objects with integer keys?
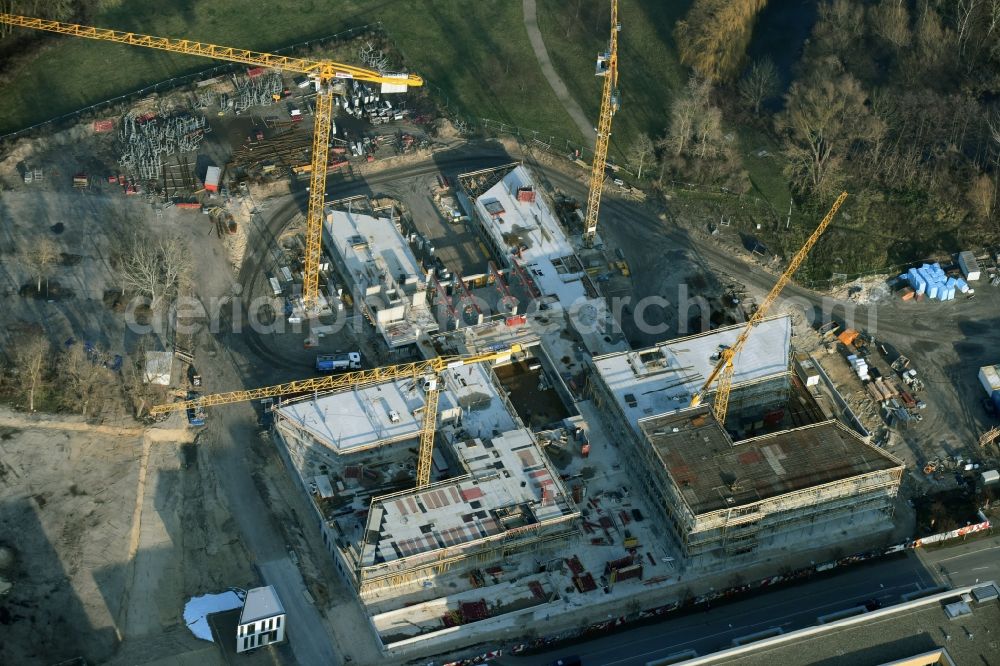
[
  {"x": 229, "y": 435},
  {"x": 793, "y": 607},
  {"x": 705, "y": 631}
]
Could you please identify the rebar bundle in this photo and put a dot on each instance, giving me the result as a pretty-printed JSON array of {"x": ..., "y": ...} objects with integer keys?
[
  {"x": 376, "y": 60},
  {"x": 256, "y": 91},
  {"x": 146, "y": 140}
]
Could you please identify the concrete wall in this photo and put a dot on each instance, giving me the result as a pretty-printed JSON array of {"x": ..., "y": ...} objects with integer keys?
[{"x": 843, "y": 409}]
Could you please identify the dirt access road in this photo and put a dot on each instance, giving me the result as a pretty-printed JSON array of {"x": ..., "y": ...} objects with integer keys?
[{"x": 947, "y": 342}]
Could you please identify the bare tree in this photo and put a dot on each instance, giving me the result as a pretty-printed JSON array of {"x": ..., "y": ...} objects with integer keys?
[
  {"x": 41, "y": 257},
  {"x": 708, "y": 139},
  {"x": 85, "y": 382},
  {"x": 981, "y": 196},
  {"x": 824, "y": 116},
  {"x": 641, "y": 154},
  {"x": 32, "y": 362},
  {"x": 682, "y": 121},
  {"x": 156, "y": 270},
  {"x": 891, "y": 21},
  {"x": 665, "y": 147},
  {"x": 759, "y": 84},
  {"x": 965, "y": 13},
  {"x": 684, "y": 115}
]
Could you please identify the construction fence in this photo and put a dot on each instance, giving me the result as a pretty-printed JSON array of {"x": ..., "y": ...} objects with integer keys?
[{"x": 175, "y": 82}]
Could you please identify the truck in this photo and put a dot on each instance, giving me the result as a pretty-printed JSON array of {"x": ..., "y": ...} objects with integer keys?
[
  {"x": 195, "y": 414},
  {"x": 338, "y": 362},
  {"x": 275, "y": 286}
]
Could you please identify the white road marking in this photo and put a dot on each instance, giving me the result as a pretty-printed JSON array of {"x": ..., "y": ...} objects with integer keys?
[{"x": 971, "y": 552}]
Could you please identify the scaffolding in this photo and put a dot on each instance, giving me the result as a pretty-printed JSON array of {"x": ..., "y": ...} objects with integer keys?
[
  {"x": 739, "y": 528},
  {"x": 370, "y": 580}
]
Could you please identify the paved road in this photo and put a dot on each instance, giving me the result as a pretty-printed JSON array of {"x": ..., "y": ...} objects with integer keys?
[
  {"x": 555, "y": 82},
  {"x": 790, "y": 608},
  {"x": 230, "y": 432},
  {"x": 965, "y": 563}
]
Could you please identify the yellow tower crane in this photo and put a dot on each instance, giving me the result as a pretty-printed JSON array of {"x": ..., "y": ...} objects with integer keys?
[
  {"x": 723, "y": 370},
  {"x": 607, "y": 66},
  {"x": 323, "y": 72},
  {"x": 427, "y": 374}
]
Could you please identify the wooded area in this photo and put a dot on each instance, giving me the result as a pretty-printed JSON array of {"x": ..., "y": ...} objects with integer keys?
[{"x": 893, "y": 100}]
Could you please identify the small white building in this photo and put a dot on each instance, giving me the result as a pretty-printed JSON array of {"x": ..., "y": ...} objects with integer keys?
[{"x": 262, "y": 621}]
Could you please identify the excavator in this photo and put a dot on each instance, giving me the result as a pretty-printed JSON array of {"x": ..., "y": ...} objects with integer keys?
[
  {"x": 427, "y": 374},
  {"x": 724, "y": 369},
  {"x": 324, "y": 73}
]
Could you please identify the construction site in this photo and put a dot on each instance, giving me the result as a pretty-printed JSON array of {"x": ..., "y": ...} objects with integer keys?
[{"x": 429, "y": 417}]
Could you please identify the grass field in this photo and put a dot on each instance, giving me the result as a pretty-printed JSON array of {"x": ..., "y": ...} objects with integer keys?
[
  {"x": 477, "y": 53},
  {"x": 649, "y": 71}
]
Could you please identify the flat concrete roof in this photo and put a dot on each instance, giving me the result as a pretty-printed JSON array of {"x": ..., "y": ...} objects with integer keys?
[
  {"x": 509, "y": 485},
  {"x": 532, "y": 234},
  {"x": 361, "y": 417},
  {"x": 662, "y": 379},
  {"x": 712, "y": 473},
  {"x": 890, "y": 635},
  {"x": 370, "y": 245},
  {"x": 545, "y": 251},
  {"x": 261, "y": 603},
  {"x": 356, "y": 419}
]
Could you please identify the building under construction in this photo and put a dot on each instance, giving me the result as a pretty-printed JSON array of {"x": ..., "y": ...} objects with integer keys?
[
  {"x": 385, "y": 278},
  {"x": 525, "y": 238},
  {"x": 355, "y": 452},
  {"x": 726, "y": 497},
  {"x": 634, "y": 385},
  {"x": 762, "y": 479}
]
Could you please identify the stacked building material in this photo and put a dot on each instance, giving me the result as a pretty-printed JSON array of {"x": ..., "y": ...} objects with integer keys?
[
  {"x": 145, "y": 140},
  {"x": 859, "y": 365},
  {"x": 931, "y": 280},
  {"x": 258, "y": 90}
]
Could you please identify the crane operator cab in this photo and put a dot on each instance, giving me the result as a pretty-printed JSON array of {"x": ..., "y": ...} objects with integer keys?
[
  {"x": 603, "y": 60},
  {"x": 430, "y": 383}
]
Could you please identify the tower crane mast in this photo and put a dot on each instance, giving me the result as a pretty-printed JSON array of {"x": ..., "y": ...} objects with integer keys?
[
  {"x": 607, "y": 66},
  {"x": 323, "y": 72},
  {"x": 724, "y": 369}
]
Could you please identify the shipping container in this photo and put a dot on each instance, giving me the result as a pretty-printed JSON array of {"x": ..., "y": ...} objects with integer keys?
[
  {"x": 969, "y": 265},
  {"x": 991, "y": 476},
  {"x": 212, "y": 178},
  {"x": 989, "y": 377}
]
